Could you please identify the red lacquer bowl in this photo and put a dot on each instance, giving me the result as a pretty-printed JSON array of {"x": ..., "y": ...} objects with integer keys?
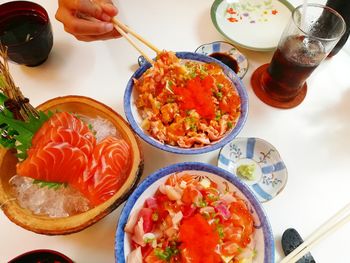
[{"x": 41, "y": 256}]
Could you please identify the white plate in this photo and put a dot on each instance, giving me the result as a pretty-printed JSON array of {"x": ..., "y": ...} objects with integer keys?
[{"x": 252, "y": 24}]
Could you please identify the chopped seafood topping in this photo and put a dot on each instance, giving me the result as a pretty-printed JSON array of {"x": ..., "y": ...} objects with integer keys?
[{"x": 186, "y": 103}]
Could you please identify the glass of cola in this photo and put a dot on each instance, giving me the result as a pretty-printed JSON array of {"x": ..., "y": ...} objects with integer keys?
[{"x": 310, "y": 35}]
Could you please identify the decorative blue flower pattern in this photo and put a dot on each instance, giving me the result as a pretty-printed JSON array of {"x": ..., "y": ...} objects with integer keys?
[
  {"x": 269, "y": 179},
  {"x": 273, "y": 174},
  {"x": 265, "y": 156},
  {"x": 235, "y": 151}
]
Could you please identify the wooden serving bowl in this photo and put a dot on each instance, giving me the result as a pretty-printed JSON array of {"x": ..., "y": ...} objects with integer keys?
[{"x": 59, "y": 226}]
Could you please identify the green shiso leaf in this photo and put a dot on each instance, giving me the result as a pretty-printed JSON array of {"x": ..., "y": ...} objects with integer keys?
[
  {"x": 50, "y": 185},
  {"x": 18, "y": 134}
]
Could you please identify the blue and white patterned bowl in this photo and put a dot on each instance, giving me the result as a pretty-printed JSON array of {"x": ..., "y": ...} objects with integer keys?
[
  {"x": 228, "y": 49},
  {"x": 134, "y": 118},
  {"x": 270, "y": 173},
  {"x": 263, "y": 236}
]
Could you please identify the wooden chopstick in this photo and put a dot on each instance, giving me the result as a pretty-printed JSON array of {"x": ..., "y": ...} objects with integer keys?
[
  {"x": 129, "y": 30},
  {"x": 323, "y": 231},
  {"x": 124, "y": 34}
]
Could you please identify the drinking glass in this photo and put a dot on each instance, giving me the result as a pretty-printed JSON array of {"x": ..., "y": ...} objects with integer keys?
[
  {"x": 25, "y": 30},
  {"x": 310, "y": 35}
]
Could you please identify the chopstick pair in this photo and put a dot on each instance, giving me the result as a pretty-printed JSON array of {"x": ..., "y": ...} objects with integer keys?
[
  {"x": 123, "y": 30},
  {"x": 335, "y": 222}
]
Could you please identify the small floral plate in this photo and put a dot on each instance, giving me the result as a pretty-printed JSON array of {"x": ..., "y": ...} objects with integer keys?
[
  {"x": 257, "y": 163},
  {"x": 226, "y": 53}
]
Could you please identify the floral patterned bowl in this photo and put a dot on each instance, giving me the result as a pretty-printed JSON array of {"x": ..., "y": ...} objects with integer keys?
[
  {"x": 268, "y": 174},
  {"x": 135, "y": 119},
  {"x": 262, "y": 239},
  {"x": 226, "y": 53}
]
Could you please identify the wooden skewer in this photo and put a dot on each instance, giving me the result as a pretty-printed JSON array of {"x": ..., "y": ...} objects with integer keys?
[
  {"x": 124, "y": 34},
  {"x": 127, "y": 29},
  {"x": 323, "y": 231}
]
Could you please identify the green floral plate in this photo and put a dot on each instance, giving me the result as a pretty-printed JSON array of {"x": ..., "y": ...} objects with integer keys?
[{"x": 251, "y": 24}]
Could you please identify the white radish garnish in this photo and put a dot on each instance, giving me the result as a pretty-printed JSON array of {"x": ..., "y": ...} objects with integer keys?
[
  {"x": 183, "y": 184},
  {"x": 205, "y": 183},
  {"x": 138, "y": 233},
  {"x": 150, "y": 238},
  {"x": 207, "y": 210},
  {"x": 177, "y": 218},
  {"x": 228, "y": 259},
  {"x": 172, "y": 193},
  {"x": 162, "y": 189},
  {"x": 129, "y": 227},
  {"x": 228, "y": 198},
  {"x": 198, "y": 199},
  {"x": 135, "y": 256}
]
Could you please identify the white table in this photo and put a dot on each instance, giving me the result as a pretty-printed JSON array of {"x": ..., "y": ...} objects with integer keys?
[{"x": 313, "y": 139}]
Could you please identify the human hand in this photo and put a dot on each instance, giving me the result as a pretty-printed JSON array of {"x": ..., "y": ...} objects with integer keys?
[{"x": 88, "y": 20}]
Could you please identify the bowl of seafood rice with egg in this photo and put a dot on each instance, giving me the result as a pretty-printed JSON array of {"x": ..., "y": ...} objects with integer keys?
[
  {"x": 186, "y": 103},
  {"x": 193, "y": 212}
]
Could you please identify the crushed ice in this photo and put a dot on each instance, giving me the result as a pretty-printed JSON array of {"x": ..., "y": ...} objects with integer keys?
[
  {"x": 62, "y": 202},
  {"x": 102, "y": 127}
]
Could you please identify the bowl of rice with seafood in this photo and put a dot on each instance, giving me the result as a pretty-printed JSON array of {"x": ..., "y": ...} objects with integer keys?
[
  {"x": 68, "y": 167},
  {"x": 193, "y": 212},
  {"x": 186, "y": 103}
]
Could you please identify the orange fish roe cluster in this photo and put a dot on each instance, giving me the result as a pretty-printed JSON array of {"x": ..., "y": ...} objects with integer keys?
[
  {"x": 196, "y": 250},
  {"x": 197, "y": 94}
]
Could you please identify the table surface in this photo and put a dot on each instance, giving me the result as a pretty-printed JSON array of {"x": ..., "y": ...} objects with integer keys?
[{"x": 313, "y": 138}]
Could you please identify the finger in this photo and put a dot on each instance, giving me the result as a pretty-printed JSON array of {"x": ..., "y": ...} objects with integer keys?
[
  {"x": 103, "y": 9},
  {"x": 90, "y": 38},
  {"x": 105, "y": 17},
  {"x": 87, "y": 7},
  {"x": 77, "y": 26},
  {"x": 109, "y": 9}
]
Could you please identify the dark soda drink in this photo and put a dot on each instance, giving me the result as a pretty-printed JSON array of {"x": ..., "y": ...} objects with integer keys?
[
  {"x": 26, "y": 31},
  {"x": 311, "y": 33},
  {"x": 291, "y": 65},
  {"x": 343, "y": 8}
]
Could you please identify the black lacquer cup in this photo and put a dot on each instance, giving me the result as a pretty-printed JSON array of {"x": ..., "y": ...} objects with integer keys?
[{"x": 25, "y": 30}]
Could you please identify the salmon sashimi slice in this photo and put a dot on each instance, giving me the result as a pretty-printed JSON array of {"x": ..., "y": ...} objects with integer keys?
[
  {"x": 108, "y": 170},
  {"x": 176, "y": 179},
  {"x": 62, "y": 134},
  {"x": 65, "y": 120},
  {"x": 64, "y": 150},
  {"x": 55, "y": 162}
]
